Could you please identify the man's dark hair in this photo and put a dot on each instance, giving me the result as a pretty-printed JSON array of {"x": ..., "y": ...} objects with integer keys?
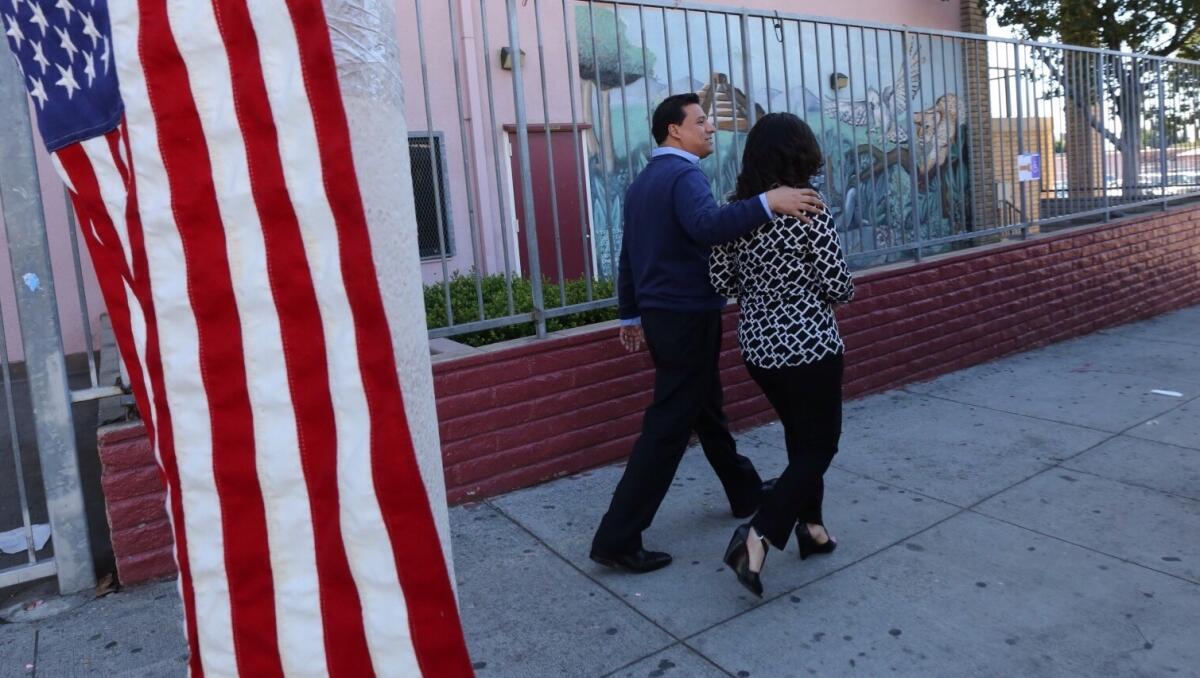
[
  {"x": 670, "y": 112},
  {"x": 781, "y": 150}
]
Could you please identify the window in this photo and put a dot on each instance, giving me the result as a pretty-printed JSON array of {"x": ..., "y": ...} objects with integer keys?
[{"x": 431, "y": 205}]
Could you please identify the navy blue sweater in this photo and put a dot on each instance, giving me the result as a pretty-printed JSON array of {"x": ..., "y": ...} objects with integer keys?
[{"x": 671, "y": 225}]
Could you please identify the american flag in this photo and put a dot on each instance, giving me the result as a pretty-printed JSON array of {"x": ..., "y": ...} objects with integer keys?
[{"x": 207, "y": 154}]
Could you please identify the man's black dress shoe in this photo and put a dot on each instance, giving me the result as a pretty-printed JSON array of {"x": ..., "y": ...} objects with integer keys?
[
  {"x": 747, "y": 511},
  {"x": 638, "y": 562}
]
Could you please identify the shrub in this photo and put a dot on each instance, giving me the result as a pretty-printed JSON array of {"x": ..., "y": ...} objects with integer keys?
[{"x": 465, "y": 303}]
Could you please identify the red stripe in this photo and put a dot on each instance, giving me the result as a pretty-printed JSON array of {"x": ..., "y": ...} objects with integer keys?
[
  {"x": 433, "y": 613},
  {"x": 222, "y": 360},
  {"x": 304, "y": 348},
  {"x": 108, "y": 259}
]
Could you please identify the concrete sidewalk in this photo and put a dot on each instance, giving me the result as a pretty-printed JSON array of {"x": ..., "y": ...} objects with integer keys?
[{"x": 1037, "y": 515}]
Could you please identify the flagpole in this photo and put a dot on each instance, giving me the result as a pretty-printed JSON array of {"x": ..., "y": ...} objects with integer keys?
[{"x": 364, "y": 47}]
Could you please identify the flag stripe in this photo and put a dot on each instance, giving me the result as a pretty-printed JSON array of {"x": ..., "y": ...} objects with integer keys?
[
  {"x": 132, "y": 313},
  {"x": 433, "y": 618},
  {"x": 280, "y": 447},
  {"x": 367, "y": 542},
  {"x": 222, "y": 367},
  {"x": 164, "y": 442}
]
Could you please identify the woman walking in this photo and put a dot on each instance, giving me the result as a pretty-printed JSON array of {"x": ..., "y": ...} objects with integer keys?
[{"x": 787, "y": 277}]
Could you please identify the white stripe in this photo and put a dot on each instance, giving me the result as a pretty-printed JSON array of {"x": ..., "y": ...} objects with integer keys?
[
  {"x": 277, "y": 446},
  {"x": 180, "y": 348},
  {"x": 368, "y": 547},
  {"x": 112, "y": 190}
]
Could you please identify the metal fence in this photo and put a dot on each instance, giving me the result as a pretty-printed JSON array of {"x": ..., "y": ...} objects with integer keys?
[
  {"x": 535, "y": 118},
  {"x": 41, "y": 496}
]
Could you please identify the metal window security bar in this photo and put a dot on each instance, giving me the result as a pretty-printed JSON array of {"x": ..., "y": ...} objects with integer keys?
[
  {"x": 934, "y": 140},
  {"x": 44, "y": 369}
]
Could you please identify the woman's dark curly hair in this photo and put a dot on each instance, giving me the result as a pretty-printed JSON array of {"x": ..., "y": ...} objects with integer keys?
[{"x": 781, "y": 150}]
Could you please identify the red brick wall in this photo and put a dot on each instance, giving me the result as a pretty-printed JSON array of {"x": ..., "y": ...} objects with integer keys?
[
  {"x": 518, "y": 416},
  {"x": 512, "y": 417},
  {"x": 134, "y": 498}
]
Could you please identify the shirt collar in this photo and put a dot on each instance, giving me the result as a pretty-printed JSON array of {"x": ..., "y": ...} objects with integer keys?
[{"x": 671, "y": 150}]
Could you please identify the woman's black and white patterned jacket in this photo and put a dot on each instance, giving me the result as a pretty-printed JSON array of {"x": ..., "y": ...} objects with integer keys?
[{"x": 786, "y": 276}]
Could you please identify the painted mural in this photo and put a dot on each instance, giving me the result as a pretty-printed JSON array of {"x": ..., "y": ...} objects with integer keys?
[{"x": 890, "y": 178}]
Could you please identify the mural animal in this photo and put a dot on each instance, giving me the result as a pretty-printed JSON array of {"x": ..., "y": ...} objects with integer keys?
[{"x": 883, "y": 111}]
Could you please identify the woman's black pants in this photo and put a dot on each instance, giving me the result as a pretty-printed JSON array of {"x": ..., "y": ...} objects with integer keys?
[{"x": 808, "y": 400}]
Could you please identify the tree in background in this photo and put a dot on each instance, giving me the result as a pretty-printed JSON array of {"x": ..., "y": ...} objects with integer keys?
[{"x": 1154, "y": 27}]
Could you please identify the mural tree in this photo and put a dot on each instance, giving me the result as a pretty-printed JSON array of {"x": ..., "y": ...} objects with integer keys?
[
  {"x": 607, "y": 60},
  {"x": 1155, "y": 27}
]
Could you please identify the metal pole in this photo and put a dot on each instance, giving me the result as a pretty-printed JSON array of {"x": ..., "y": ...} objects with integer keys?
[
  {"x": 905, "y": 37},
  {"x": 498, "y": 158},
  {"x": 1162, "y": 133},
  {"x": 1020, "y": 138},
  {"x": 576, "y": 140},
  {"x": 37, "y": 308},
  {"x": 1103, "y": 134},
  {"x": 748, "y": 69},
  {"x": 79, "y": 288},
  {"x": 531, "y": 244},
  {"x": 558, "y": 257},
  {"x": 468, "y": 166}
]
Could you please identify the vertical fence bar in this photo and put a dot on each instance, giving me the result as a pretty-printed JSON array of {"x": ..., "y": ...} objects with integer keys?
[
  {"x": 599, "y": 129},
  {"x": 715, "y": 180},
  {"x": 1162, "y": 132},
  {"x": 433, "y": 165},
  {"x": 1020, "y": 91},
  {"x": 748, "y": 66},
  {"x": 531, "y": 243},
  {"x": 667, "y": 50},
  {"x": 780, "y": 29},
  {"x": 505, "y": 224},
  {"x": 18, "y": 465},
  {"x": 1099, "y": 58},
  {"x": 737, "y": 140},
  {"x": 884, "y": 126},
  {"x": 468, "y": 165},
  {"x": 37, "y": 310},
  {"x": 558, "y": 258},
  {"x": 905, "y": 39},
  {"x": 580, "y": 168},
  {"x": 84, "y": 315},
  {"x": 766, "y": 62},
  {"x": 646, "y": 69},
  {"x": 624, "y": 105}
]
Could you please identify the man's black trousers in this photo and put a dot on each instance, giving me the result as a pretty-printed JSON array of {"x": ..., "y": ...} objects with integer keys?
[{"x": 685, "y": 348}]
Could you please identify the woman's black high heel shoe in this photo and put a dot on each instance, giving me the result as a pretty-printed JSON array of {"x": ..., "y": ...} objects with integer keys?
[
  {"x": 737, "y": 557},
  {"x": 809, "y": 546}
]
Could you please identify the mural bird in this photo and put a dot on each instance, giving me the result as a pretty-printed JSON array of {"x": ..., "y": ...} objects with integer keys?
[{"x": 883, "y": 111}]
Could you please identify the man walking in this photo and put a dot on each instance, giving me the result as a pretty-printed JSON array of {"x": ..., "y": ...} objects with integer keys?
[{"x": 665, "y": 298}]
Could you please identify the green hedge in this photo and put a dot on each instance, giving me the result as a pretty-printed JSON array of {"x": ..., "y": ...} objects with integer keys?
[{"x": 465, "y": 302}]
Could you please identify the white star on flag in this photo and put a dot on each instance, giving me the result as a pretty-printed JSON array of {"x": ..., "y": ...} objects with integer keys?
[
  {"x": 89, "y": 28},
  {"x": 66, "y": 7},
  {"x": 38, "y": 56},
  {"x": 64, "y": 38},
  {"x": 14, "y": 30},
  {"x": 38, "y": 91},
  {"x": 89, "y": 67},
  {"x": 39, "y": 18},
  {"x": 16, "y": 5},
  {"x": 104, "y": 56},
  {"x": 67, "y": 80}
]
